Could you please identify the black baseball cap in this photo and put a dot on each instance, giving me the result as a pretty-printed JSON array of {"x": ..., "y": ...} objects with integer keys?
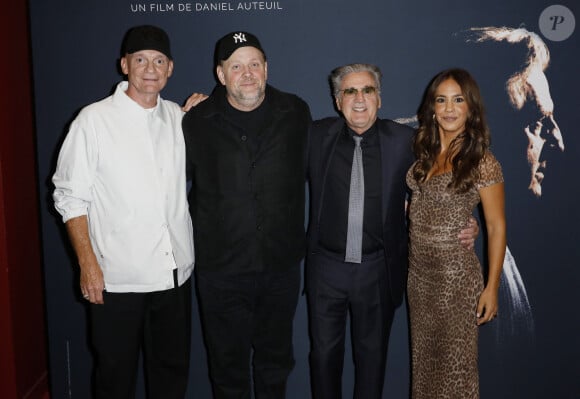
[
  {"x": 146, "y": 37},
  {"x": 233, "y": 41}
]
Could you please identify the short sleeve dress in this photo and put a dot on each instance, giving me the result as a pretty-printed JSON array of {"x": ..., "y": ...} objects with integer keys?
[{"x": 445, "y": 281}]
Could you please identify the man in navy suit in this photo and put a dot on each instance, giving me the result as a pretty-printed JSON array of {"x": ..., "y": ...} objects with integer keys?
[{"x": 369, "y": 286}]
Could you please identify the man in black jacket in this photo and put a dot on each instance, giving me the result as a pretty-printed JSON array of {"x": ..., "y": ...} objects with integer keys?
[
  {"x": 246, "y": 148},
  {"x": 371, "y": 284}
]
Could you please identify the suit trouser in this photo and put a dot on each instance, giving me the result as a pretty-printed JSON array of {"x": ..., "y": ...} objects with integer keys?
[
  {"x": 335, "y": 288},
  {"x": 241, "y": 313},
  {"x": 157, "y": 322}
]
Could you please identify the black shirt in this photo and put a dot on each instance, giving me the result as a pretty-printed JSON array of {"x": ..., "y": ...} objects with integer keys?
[
  {"x": 251, "y": 122},
  {"x": 334, "y": 212}
]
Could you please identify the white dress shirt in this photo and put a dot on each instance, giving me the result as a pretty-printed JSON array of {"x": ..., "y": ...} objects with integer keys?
[{"x": 124, "y": 167}]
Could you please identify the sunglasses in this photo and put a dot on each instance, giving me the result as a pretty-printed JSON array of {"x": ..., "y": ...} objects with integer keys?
[{"x": 353, "y": 92}]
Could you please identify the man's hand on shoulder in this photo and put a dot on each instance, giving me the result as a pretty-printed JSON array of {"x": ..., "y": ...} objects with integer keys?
[{"x": 193, "y": 101}]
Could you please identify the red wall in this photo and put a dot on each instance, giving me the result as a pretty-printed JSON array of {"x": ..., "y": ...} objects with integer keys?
[{"x": 23, "y": 364}]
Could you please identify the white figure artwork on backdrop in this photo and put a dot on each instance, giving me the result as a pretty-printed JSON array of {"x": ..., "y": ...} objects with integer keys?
[{"x": 529, "y": 83}]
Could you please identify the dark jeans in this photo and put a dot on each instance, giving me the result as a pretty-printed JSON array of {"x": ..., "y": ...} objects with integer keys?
[
  {"x": 335, "y": 288},
  {"x": 244, "y": 312},
  {"x": 157, "y": 322}
]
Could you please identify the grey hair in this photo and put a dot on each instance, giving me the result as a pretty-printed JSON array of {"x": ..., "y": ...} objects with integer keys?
[{"x": 338, "y": 74}]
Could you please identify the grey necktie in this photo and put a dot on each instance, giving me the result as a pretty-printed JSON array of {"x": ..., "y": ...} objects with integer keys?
[{"x": 356, "y": 201}]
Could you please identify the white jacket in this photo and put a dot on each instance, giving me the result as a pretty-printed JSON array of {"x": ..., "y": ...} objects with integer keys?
[{"x": 124, "y": 167}]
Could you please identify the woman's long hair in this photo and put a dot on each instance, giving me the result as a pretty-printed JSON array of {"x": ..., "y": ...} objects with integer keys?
[{"x": 468, "y": 148}]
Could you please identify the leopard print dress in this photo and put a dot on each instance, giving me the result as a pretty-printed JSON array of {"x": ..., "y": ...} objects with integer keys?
[{"x": 445, "y": 281}]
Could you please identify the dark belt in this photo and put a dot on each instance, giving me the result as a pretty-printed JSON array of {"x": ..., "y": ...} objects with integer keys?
[{"x": 340, "y": 257}]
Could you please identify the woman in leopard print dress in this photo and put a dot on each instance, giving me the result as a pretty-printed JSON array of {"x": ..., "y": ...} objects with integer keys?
[{"x": 454, "y": 171}]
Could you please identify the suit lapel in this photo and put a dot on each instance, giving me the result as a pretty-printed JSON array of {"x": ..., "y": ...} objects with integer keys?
[
  {"x": 386, "y": 158},
  {"x": 327, "y": 148}
]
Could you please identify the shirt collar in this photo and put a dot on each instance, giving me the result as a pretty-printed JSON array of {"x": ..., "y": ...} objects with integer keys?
[
  {"x": 120, "y": 97},
  {"x": 367, "y": 134}
]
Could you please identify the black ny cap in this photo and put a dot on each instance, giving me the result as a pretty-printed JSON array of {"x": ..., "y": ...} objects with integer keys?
[{"x": 233, "y": 41}]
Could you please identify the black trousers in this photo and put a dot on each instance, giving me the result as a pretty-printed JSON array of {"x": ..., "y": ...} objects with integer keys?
[
  {"x": 159, "y": 323},
  {"x": 248, "y": 312},
  {"x": 335, "y": 289}
]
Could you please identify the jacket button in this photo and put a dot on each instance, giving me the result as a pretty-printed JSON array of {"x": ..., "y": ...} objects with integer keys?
[{"x": 244, "y": 138}]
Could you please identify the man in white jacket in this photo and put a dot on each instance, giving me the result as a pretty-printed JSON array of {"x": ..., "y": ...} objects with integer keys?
[{"x": 121, "y": 190}]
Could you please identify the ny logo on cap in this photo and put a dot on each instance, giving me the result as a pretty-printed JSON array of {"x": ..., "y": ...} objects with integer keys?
[{"x": 239, "y": 38}]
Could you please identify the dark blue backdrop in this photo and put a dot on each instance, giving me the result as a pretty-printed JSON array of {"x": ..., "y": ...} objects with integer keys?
[{"x": 530, "y": 351}]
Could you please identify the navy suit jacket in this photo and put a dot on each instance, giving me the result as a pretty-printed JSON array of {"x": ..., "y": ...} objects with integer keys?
[{"x": 396, "y": 158}]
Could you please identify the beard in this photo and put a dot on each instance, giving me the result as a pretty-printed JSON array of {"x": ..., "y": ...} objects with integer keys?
[{"x": 250, "y": 98}]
